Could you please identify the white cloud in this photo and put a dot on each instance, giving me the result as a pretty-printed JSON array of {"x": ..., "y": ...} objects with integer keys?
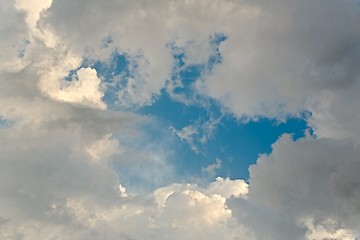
[
  {"x": 328, "y": 230},
  {"x": 229, "y": 188},
  {"x": 187, "y": 134},
  {"x": 212, "y": 168},
  {"x": 33, "y": 11},
  {"x": 83, "y": 89},
  {"x": 104, "y": 148},
  {"x": 198, "y": 133}
]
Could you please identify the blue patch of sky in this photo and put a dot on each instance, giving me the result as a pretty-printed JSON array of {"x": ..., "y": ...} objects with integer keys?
[
  {"x": 238, "y": 145},
  {"x": 215, "y": 57},
  {"x": 4, "y": 123},
  {"x": 235, "y": 143},
  {"x": 147, "y": 168},
  {"x": 188, "y": 74},
  {"x": 22, "y": 50},
  {"x": 72, "y": 75},
  {"x": 113, "y": 74},
  {"x": 106, "y": 42}
]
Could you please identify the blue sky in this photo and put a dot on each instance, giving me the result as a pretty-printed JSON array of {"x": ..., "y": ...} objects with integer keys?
[{"x": 237, "y": 143}]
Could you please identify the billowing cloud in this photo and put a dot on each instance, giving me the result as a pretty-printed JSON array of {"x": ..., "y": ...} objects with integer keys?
[
  {"x": 306, "y": 186},
  {"x": 71, "y": 168}
]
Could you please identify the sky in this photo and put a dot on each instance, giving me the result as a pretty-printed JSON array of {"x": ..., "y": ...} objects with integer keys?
[{"x": 168, "y": 119}]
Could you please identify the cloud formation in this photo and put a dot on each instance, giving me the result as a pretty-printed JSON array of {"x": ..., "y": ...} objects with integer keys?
[{"x": 73, "y": 169}]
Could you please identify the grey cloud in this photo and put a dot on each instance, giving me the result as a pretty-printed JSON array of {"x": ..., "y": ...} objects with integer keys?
[
  {"x": 13, "y": 34},
  {"x": 310, "y": 178},
  {"x": 263, "y": 222},
  {"x": 293, "y": 49}
]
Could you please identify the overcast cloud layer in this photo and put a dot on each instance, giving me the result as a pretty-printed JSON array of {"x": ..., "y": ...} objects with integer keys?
[{"x": 64, "y": 150}]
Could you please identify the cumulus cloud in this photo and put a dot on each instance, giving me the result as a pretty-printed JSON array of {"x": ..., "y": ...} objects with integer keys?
[
  {"x": 82, "y": 89},
  {"x": 283, "y": 58},
  {"x": 305, "y": 186},
  {"x": 73, "y": 169}
]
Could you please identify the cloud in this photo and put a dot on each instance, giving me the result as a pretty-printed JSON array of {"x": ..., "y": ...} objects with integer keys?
[
  {"x": 103, "y": 148},
  {"x": 187, "y": 134},
  {"x": 13, "y": 32},
  {"x": 286, "y": 58},
  {"x": 211, "y": 169},
  {"x": 149, "y": 59},
  {"x": 306, "y": 63},
  {"x": 73, "y": 169},
  {"x": 82, "y": 89},
  {"x": 229, "y": 188},
  {"x": 198, "y": 133},
  {"x": 307, "y": 179}
]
